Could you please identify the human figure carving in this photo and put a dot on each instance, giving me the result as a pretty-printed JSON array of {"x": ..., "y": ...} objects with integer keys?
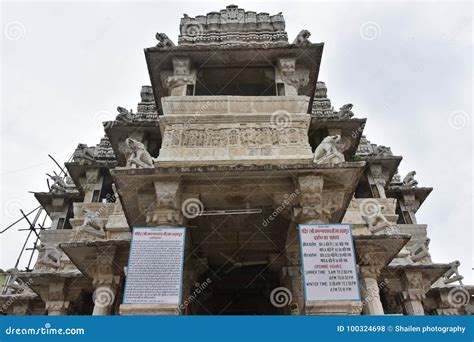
[
  {"x": 302, "y": 38},
  {"x": 452, "y": 275},
  {"x": 163, "y": 41},
  {"x": 327, "y": 152},
  {"x": 376, "y": 221},
  {"x": 139, "y": 157},
  {"x": 124, "y": 115},
  {"x": 409, "y": 180},
  {"x": 345, "y": 112}
]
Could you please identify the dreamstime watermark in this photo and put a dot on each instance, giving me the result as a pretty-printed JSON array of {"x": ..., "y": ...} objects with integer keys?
[
  {"x": 192, "y": 29},
  {"x": 287, "y": 201},
  {"x": 280, "y": 119},
  {"x": 280, "y": 297},
  {"x": 12, "y": 207},
  {"x": 458, "y": 296},
  {"x": 203, "y": 109},
  {"x": 19, "y": 286},
  {"x": 192, "y": 208},
  {"x": 459, "y": 119},
  {"x": 370, "y": 30},
  {"x": 14, "y": 30},
  {"x": 371, "y": 295},
  {"x": 46, "y": 330},
  {"x": 370, "y": 207},
  {"x": 199, "y": 288},
  {"x": 358, "y": 132},
  {"x": 104, "y": 116},
  {"x": 103, "y": 297}
]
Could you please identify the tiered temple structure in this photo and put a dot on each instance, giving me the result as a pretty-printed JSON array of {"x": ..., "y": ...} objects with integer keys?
[{"x": 237, "y": 141}]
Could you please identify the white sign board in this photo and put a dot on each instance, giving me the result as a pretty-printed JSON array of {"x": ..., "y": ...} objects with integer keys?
[
  {"x": 155, "y": 266},
  {"x": 328, "y": 261}
]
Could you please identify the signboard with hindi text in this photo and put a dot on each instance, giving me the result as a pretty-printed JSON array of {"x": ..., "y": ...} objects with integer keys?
[
  {"x": 328, "y": 262},
  {"x": 155, "y": 266}
]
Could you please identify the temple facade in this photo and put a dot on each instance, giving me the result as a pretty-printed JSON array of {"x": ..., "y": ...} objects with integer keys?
[{"x": 237, "y": 140}]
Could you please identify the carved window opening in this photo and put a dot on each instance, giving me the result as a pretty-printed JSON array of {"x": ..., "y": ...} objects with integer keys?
[
  {"x": 95, "y": 196},
  {"x": 106, "y": 192},
  {"x": 69, "y": 215}
]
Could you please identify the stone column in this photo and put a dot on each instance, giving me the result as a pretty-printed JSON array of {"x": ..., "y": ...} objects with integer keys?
[
  {"x": 105, "y": 283},
  {"x": 57, "y": 308},
  {"x": 292, "y": 79},
  {"x": 182, "y": 76},
  {"x": 413, "y": 292},
  {"x": 370, "y": 290},
  {"x": 20, "y": 309},
  {"x": 93, "y": 183},
  {"x": 291, "y": 276},
  {"x": 164, "y": 212},
  {"x": 316, "y": 207},
  {"x": 55, "y": 298},
  {"x": 377, "y": 180}
]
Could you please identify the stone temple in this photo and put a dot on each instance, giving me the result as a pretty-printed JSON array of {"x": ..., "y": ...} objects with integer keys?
[{"x": 236, "y": 140}]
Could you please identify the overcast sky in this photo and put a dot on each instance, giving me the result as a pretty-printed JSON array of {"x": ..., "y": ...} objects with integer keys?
[{"x": 406, "y": 67}]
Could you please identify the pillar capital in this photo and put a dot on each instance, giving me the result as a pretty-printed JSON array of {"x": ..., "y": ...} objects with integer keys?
[
  {"x": 166, "y": 209},
  {"x": 412, "y": 292},
  {"x": 57, "y": 307}
]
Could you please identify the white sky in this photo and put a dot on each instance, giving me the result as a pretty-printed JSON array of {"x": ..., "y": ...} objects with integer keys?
[{"x": 74, "y": 63}]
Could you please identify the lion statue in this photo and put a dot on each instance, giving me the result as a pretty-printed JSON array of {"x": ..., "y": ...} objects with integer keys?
[
  {"x": 139, "y": 157},
  {"x": 345, "y": 112},
  {"x": 163, "y": 41},
  {"x": 409, "y": 180},
  {"x": 124, "y": 115},
  {"x": 302, "y": 38},
  {"x": 92, "y": 219},
  {"x": 84, "y": 152},
  {"x": 327, "y": 152}
]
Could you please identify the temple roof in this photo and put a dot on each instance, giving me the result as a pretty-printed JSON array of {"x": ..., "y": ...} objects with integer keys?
[{"x": 233, "y": 26}]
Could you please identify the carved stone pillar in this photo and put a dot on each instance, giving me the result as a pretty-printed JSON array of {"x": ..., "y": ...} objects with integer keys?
[
  {"x": 165, "y": 211},
  {"x": 92, "y": 185},
  {"x": 377, "y": 180},
  {"x": 311, "y": 208},
  {"x": 105, "y": 283},
  {"x": 310, "y": 189},
  {"x": 291, "y": 276},
  {"x": 370, "y": 290},
  {"x": 289, "y": 77},
  {"x": 55, "y": 299},
  {"x": 57, "y": 308},
  {"x": 317, "y": 205},
  {"x": 409, "y": 206},
  {"x": 181, "y": 78},
  {"x": 20, "y": 309},
  {"x": 413, "y": 292}
]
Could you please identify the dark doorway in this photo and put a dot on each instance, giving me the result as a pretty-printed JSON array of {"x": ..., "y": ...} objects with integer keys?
[{"x": 243, "y": 291}]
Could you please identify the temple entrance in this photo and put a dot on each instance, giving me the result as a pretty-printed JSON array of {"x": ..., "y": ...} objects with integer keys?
[{"x": 240, "y": 291}]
